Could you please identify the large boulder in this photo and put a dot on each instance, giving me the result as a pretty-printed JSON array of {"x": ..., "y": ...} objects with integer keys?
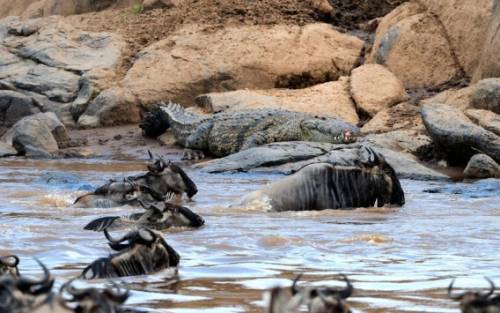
[
  {"x": 37, "y": 135},
  {"x": 486, "y": 119},
  {"x": 452, "y": 130},
  {"x": 458, "y": 98},
  {"x": 489, "y": 62},
  {"x": 401, "y": 116},
  {"x": 374, "y": 88},
  {"x": 55, "y": 66},
  {"x": 193, "y": 61},
  {"x": 111, "y": 107},
  {"x": 331, "y": 99},
  {"x": 466, "y": 24},
  {"x": 486, "y": 95},
  {"x": 289, "y": 157},
  {"x": 482, "y": 166},
  {"x": 407, "y": 141},
  {"x": 413, "y": 45}
]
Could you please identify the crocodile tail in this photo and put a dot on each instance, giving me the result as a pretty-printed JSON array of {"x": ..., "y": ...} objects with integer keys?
[{"x": 182, "y": 122}]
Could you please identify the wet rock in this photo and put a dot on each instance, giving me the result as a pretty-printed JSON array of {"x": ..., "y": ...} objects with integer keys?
[
  {"x": 112, "y": 107},
  {"x": 330, "y": 99},
  {"x": 486, "y": 188},
  {"x": 486, "y": 95},
  {"x": 289, "y": 157},
  {"x": 465, "y": 23},
  {"x": 457, "y": 135},
  {"x": 401, "y": 116},
  {"x": 486, "y": 119},
  {"x": 482, "y": 166},
  {"x": 7, "y": 150},
  {"x": 489, "y": 62},
  {"x": 413, "y": 45},
  {"x": 14, "y": 106},
  {"x": 374, "y": 88},
  {"x": 239, "y": 57},
  {"x": 36, "y": 135}
]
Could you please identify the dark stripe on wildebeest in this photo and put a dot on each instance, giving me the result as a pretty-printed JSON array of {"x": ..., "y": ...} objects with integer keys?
[
  {"x": 139, "y": 252},
  {"x": 368, "y": 182}
]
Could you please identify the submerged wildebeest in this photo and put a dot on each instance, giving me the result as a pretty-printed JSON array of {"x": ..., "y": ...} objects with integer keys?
[
  {"x": 22, "y": 294},
  {"x": 8, "y": 265},
  {"x": 368, "y": 182},
  {"x": 317, "y": 299},
  {"x": 163, "y": 181},
  {"x": 171, "y": 215},
  {"x": 477, "y": 302},
  {"x": 140, "y": 251}
]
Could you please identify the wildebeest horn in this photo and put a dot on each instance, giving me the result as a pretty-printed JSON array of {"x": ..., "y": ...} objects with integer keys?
[
  {"x": 347, "y": 291},
  {"x": 75, "y": 293},
  {"x": 36, "y": 287},
  {"x": 454, "y": 297},
  {"x": 490, "y": 292},
  {"x": 9, "y": 260},
  {"x": 150, "y": 155},
  {"x": 147, "y": 235},
  {"x": 116, "y": 241},
  {"x": 294, "y": 284}
]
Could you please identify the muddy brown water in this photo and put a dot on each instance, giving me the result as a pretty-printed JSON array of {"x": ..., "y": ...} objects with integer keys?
[{"x": 400, "y": 260}]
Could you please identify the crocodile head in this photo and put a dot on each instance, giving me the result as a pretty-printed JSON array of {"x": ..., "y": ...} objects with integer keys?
[{"x": 328, "y": 130}]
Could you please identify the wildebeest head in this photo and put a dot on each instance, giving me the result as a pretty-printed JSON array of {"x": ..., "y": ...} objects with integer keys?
[
  {"x": 475, "y": 301},
  {"x": 371, "y": 159},
  {"x": 174, "y": 176},
  {"x": 92, "y": 300},
  {"x": 8, "y": 265},
  {"x": 172, "y": 215},
  {"x": 140, "y": 251},
  {"x": 318, "y": 300},
  {"x": 24, "y": 293}
]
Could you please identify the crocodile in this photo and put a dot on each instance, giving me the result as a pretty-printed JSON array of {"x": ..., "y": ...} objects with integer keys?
[{"x": 226, "y": 133}]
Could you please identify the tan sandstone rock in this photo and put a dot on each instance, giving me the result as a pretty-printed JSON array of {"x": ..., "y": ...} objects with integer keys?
[
  {"x": 458, "y": 98},
  {"x": 466, "y": 23},
  {"x": 374, "y": 88},
  {"x": 489, "y": 65},
  {"x": 401, "y": 116},
  {"x": 414, "y": 46},
  {"x": 331, "y": 99},
  {"x": 192, "y": 61},
  {"x": 482, "y": 166}
]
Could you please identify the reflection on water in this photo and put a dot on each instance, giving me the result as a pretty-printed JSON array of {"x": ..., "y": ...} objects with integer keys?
[{"x": 400, "y": 260}]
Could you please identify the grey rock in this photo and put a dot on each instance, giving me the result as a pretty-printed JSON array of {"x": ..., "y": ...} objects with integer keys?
[
  {"x": 457, "y": 135},
  {"x": 7, "y": 150},
  {"x": 408, "y": 141},
  {"x": 289, "y": 157},
  {"x": 14, "y": 106},
  {"x": 57, "y": 85},
  {"x": 482, "y": 166},
  {"x": 36, "y": 135},
  {"x": 486, "y": 119},
  {"x": 486, "y": 95}
]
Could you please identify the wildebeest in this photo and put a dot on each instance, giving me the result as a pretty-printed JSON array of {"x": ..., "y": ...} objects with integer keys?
[
  {"x": 23, "y": 294},
  {"x": 368, "y": 182},
  {"x": 171, "y": 215},
  {"x": 140, "y": 251},
  {"x": 317, "y": 299},
  {"x": 477, "y": 302},
  {"x": 8, "y": 265},
  {"x": 163, "y": 181}
]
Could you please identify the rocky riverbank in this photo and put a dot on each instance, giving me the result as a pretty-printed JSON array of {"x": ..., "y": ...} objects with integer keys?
[{"x": 418, "y": 77}]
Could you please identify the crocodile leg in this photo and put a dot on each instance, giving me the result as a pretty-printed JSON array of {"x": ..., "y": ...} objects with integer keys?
[
  {"x": 197, "y": 142},
  {"x": 257, "y": 139}
]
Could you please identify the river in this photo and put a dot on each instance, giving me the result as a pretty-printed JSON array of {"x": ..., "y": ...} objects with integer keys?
[{"x": 399, "y": 259}]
